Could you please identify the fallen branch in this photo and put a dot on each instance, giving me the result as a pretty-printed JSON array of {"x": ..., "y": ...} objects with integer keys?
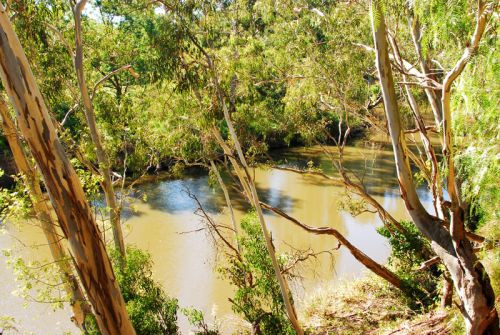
[{"x": 364, "y": 259}]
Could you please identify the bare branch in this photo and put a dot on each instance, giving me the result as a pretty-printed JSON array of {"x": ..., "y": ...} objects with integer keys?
[
  {"x": 68, "y": 47},
  {"x": 112, "y": 73},
  {"x": 427, "y": 264}
]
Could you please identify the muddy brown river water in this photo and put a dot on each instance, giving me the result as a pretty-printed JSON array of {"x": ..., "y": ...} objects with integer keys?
[{"x": 184, "y": 262}]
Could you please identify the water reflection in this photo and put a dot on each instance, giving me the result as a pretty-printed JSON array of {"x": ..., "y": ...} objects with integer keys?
[
  {"x": 185, "y": 258},
  {"x": 172, "y": 197},
  {"x": 185, "y": 262}
]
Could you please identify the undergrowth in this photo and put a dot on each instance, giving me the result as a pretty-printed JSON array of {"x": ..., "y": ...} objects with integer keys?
[{"x": 407, "y": 254}]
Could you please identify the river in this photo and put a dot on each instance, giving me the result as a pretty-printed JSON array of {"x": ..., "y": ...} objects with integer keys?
[{"x": 184, "y": 258}]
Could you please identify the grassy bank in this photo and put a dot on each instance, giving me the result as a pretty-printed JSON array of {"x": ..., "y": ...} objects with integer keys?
[{"x": 371, "y": 306}]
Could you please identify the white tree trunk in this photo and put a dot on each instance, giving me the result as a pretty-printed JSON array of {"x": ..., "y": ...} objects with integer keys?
[
  {"x": 471, "y": 282},
  {"x": 102, "y": 158},
  {"x": 250, "y": 189}
]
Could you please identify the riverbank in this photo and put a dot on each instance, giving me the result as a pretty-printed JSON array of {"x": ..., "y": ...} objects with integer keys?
[
  {"x": 162, "y": 221},
  {"x": 371, "y": 306}
]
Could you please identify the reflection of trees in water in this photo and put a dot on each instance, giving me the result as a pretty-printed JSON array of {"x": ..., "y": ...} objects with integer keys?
[
  {"x": 171, "y": 196},
  {"x": 373, "y": 166}
]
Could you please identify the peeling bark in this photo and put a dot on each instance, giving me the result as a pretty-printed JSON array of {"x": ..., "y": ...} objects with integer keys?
[
  {"x": 470, "y": 280},
  {"x": 78, "y": 302},
  {"x": 66, "y": 193}
]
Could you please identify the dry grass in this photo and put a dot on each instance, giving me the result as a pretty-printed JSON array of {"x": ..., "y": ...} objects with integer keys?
[
  {"x": 433, "y": 323},
  {"x": 360, "y": 307},
  {"x": 369, "y": 306}
]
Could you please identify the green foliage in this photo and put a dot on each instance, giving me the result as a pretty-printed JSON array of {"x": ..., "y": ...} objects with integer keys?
[
  {"x": 477, "y": 128},
  {"x": 89, "y": 181},
  {"x": 406, "y": 256},
  {"x": 151, "y": 311},
  {"x": 15, "y": 202},
  {"x": 405, "y": 247},
  {"x": 352, "y": 205},
  {"x": 196, "y": 319},
  {"x": 439, "y": 18},
  {"x": 7, "y": 324},
  {"x": 285, "y": 59},
  {"x": 38, "y": 281},
  {"x": 257, "y": 298},
  {"x": 489, "y": 259},
  {"x": 457, "y": 323}
]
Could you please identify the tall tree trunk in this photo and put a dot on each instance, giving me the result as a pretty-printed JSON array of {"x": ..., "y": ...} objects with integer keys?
[
  {"x": 470, "y": 280},
  {"x": 228, "y": 202},
  {"x": 102, "y": 158},
  {"x": 435, "y": 179},
  {"x": 66, "y": 193},
  {"x": 42, "y": 210},
  {"x": 249, "y": 187}
]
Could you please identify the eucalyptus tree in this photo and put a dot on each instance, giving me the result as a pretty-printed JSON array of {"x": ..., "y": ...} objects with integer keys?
[
  {"x": 448, "y": 237},
  {"x": 43, "y": 213},
  {"x": 102, "y": 158},
  {"x": 66, "y": 193}
]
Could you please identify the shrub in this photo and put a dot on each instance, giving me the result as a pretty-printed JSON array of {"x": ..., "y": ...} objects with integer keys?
[
  {"x": 406, "y": 256},
  {"x": 258, "y": 297},
  {"x": 151, "y": 311},
  {"x": 196, "y": 319}
]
